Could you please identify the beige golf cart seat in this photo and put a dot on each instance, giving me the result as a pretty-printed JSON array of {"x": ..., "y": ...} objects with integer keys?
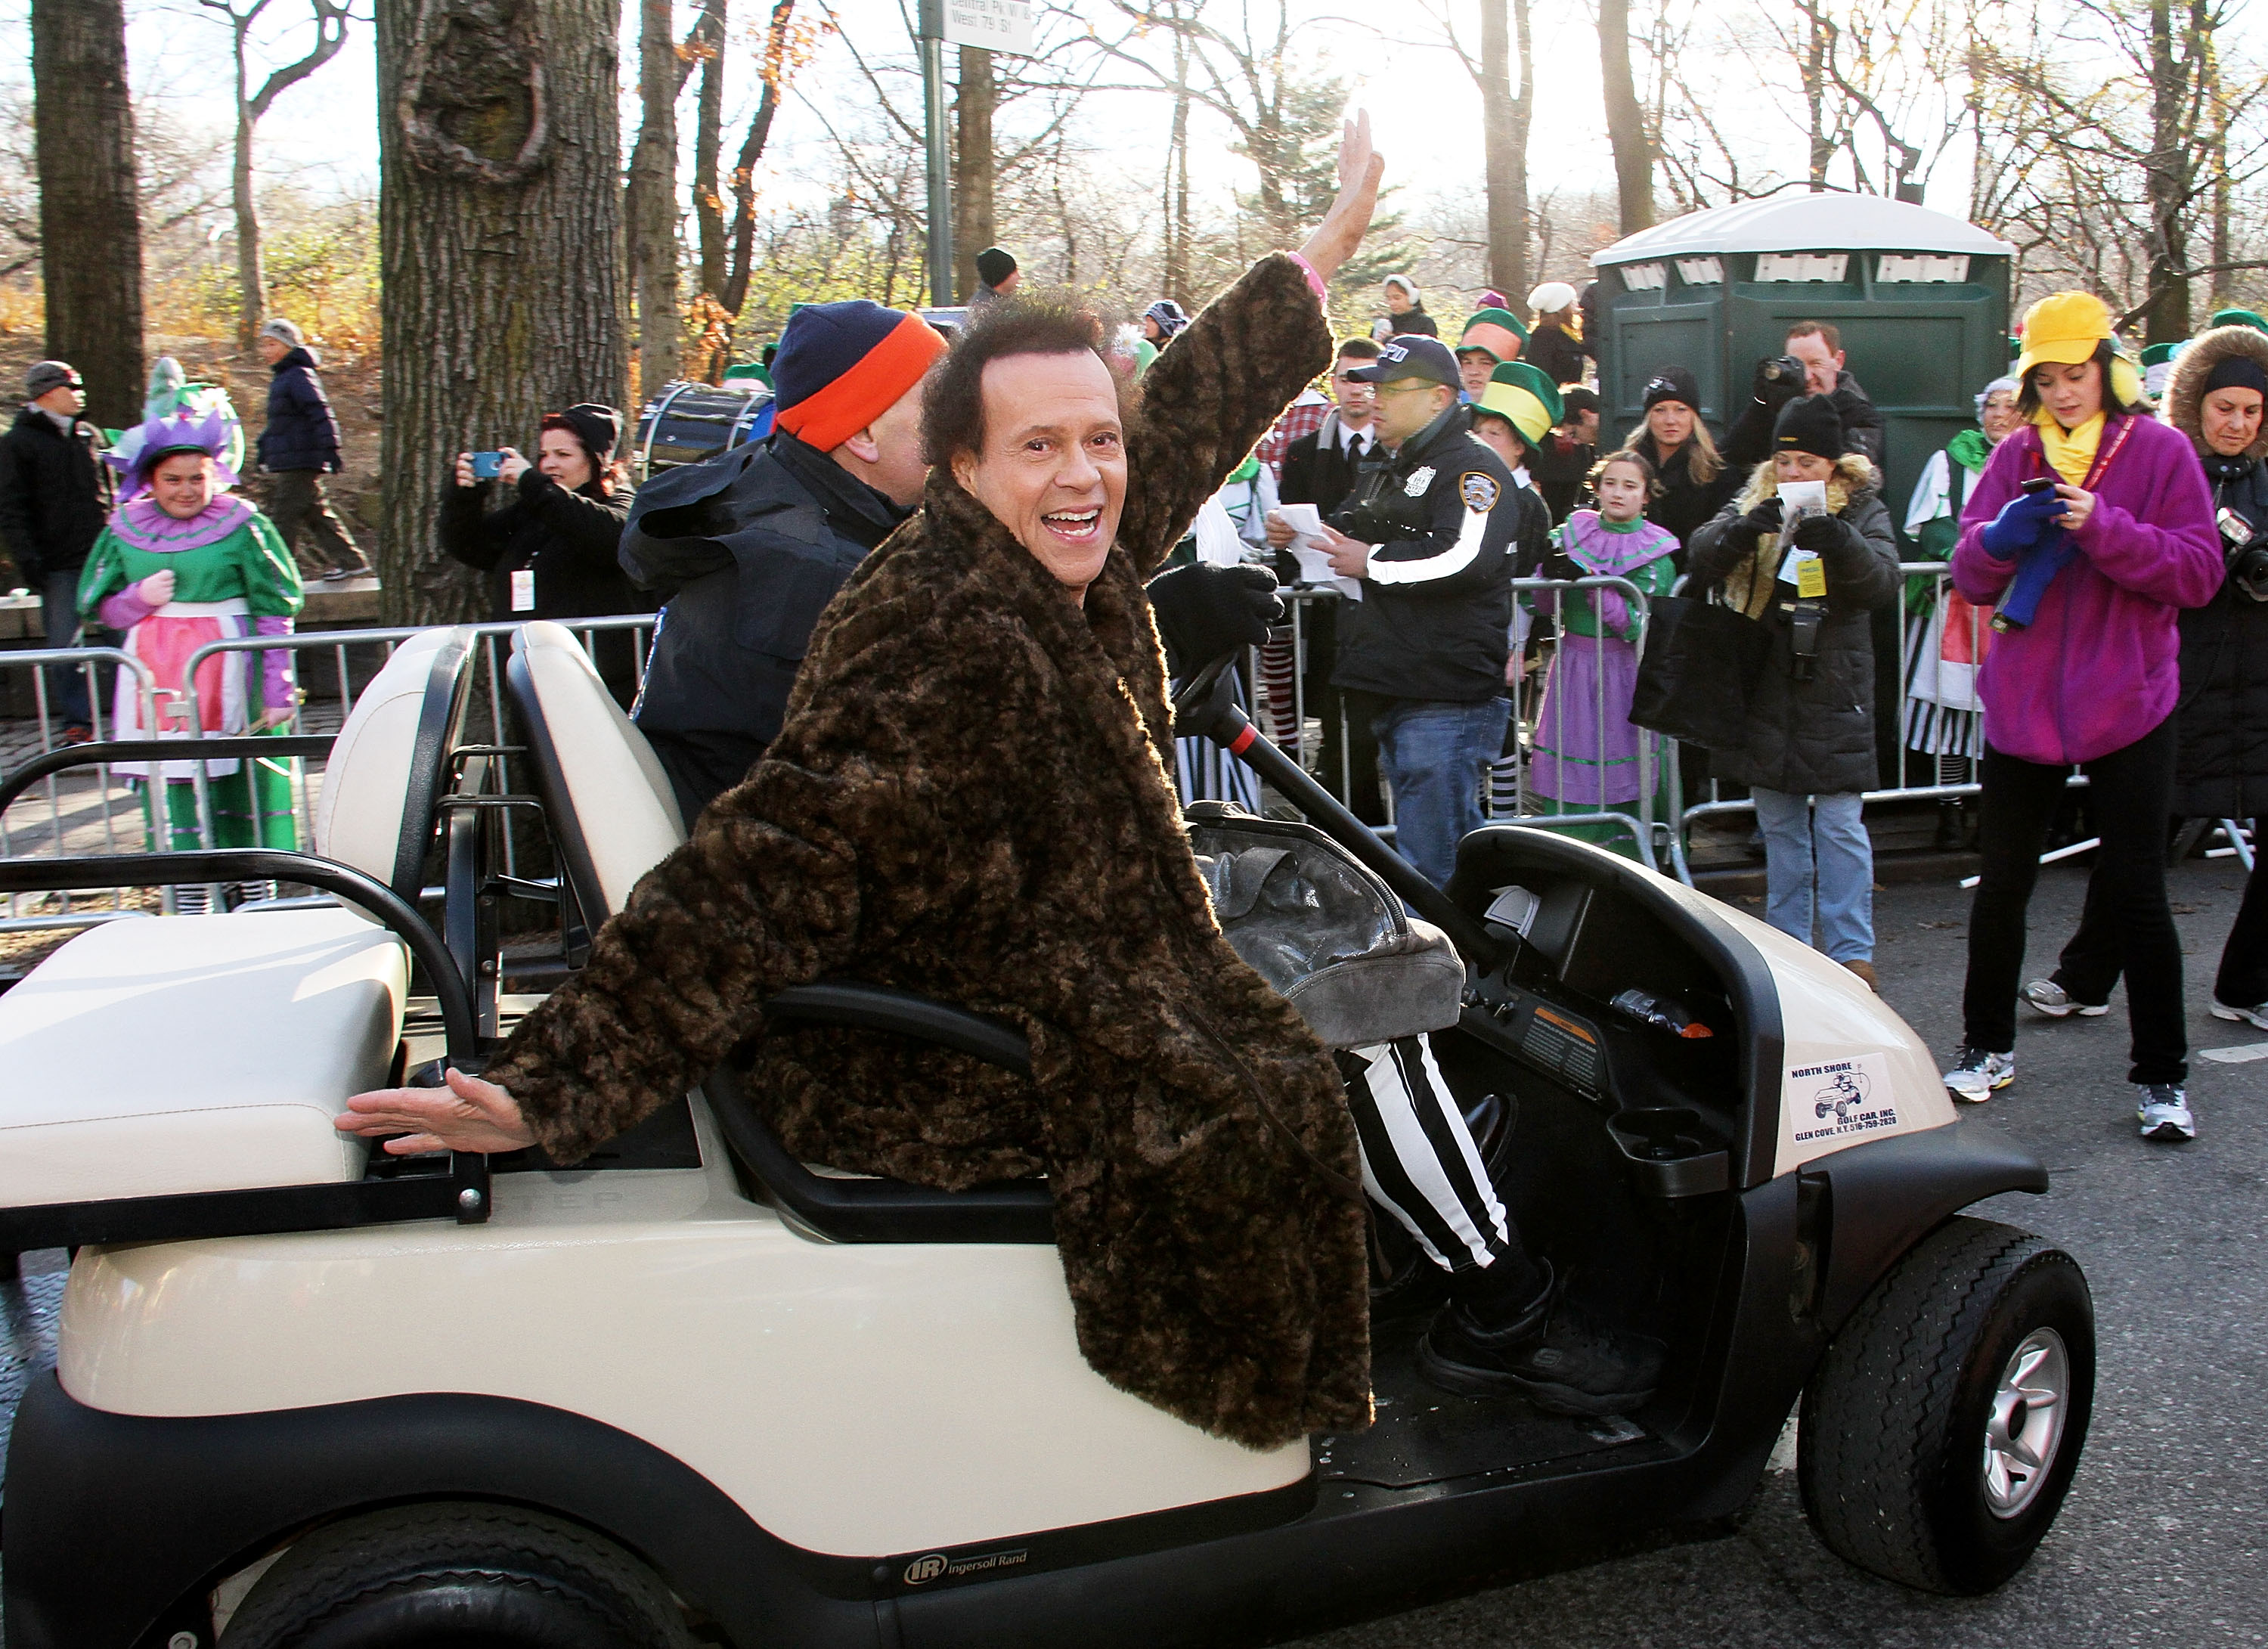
[{"x": 247, "y": 1031}]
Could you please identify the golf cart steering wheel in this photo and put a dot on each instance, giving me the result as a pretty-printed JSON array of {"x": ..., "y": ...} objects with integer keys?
[{"x": 1203, "y": 697}]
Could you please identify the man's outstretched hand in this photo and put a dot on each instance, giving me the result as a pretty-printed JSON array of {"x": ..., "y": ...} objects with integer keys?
[
  {"x": 468, "y": 1114},
  {"x": 1343, "y": 226}
]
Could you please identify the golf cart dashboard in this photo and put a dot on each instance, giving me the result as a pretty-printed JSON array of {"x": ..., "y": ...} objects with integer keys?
[{"x": 1600, "y": 996}]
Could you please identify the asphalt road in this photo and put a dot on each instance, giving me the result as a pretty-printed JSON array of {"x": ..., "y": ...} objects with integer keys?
[{"x": 2163, "y": 1540}]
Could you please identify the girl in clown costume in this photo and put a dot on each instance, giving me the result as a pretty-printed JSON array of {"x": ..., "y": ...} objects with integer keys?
[{"x": 184, "y": 562}]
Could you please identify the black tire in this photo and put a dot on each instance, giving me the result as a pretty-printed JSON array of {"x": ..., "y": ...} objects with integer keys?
[
  {"x": 457, "y": 1575},
  {"x": 1890, "y": 1452}
]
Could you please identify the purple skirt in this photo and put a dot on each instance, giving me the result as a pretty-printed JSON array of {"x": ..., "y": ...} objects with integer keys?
[{"x": 1585, "y": 748}]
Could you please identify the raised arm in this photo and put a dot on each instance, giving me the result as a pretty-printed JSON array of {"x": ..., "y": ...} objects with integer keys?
[{"x": 1219, "y": 385}]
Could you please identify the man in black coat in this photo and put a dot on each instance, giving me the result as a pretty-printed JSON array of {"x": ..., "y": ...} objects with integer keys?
[
  {"x": 1320, "y": 468},
  {"x": 747, "y": 548},
  {"x": 1818, "y": 348},
  {"x": 298, "y": 446},
  {"x": 54, "y": 499}
]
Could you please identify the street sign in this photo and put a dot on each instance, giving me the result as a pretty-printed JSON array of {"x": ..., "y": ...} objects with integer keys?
[{"x": 999, "y": 25}]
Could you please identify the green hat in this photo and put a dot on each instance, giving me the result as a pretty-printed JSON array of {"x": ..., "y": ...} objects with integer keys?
[
  {"x": 1498, "y": 331},
  {"x": 1524, "y": 397},
  {"x": 2240, "y": 318},
  {"x": 2158, "y": 353}
]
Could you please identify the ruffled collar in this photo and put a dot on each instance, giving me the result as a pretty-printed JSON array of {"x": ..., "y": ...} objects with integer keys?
[{"x": 145, "y": 526}]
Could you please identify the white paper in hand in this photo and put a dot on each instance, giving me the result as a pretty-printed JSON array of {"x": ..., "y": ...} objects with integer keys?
[
  {"x": 1307, "y": 549},
  {"x": 1800, "y": 498}
]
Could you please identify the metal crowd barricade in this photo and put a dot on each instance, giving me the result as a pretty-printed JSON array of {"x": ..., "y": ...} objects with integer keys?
[
  {"x": 1298, "y": 734},
  {"x": 77, "y": 811},
  {"x": 81, "y": 812}
]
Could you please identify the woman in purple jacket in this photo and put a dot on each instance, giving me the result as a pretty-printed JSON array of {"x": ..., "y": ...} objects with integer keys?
[{"x": 2089, "y": 570}]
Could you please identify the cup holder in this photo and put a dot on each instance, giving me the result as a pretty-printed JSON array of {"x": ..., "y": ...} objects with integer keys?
[{"x": 1669, "y": 1151}]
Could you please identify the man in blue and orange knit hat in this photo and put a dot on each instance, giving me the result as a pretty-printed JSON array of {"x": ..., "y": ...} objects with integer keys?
[{"x": 746, "y": 547}]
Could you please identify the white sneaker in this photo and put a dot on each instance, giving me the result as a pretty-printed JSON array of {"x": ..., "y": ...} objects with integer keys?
[
  {"x": 2161, "y": 1110},
  {"x": 1975, "y": 1072},
  {"x": 2256, "y": 1014},
  {"x": 2053, "y": 1000}
]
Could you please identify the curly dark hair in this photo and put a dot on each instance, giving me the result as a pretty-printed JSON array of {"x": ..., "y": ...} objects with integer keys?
[
  {"x": 1029, "y": 323},
  {"x": 2027, "y": 392}
]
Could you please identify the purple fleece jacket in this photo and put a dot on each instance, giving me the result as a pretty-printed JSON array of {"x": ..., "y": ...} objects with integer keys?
[{"x": 2100, "y": 665}]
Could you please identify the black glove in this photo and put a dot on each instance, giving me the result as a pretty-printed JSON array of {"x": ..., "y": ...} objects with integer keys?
[
  {"x": 1777, "y": 392},
  {"x": 1762, "y": 519},
  {"x": 1559, "y": 565},
  {"x": 1204, "y": 612},
  {"x": 1818, "y": 534}
]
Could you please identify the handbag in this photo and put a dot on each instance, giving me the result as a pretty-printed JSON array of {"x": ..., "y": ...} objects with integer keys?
[{"x": 1698, "y": 670}]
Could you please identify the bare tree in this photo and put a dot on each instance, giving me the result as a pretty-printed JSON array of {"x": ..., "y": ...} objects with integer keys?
[
  {"x": 1626, "y": 127},
  {"x": 239, "y": 17},
  {"x": 788, "y": 45},
  {"x": 650, "y": 200},
  {"x": 1506, "y": 117},
  {"x": 707, "y": 44},
  {"x": 90, "y": 216},
  {"x": 976, "y": 225},
  {"x": 500, "y": 228}
]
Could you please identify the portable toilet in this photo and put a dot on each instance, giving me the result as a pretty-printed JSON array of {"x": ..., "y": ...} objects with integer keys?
[{"x": 1921, "y": 300}]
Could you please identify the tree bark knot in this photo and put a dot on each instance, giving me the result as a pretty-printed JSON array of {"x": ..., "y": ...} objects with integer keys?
[{"x": 474, "y": 98}]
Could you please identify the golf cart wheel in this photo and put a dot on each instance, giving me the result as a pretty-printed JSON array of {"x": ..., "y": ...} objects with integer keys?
[
  {"x": 1942, "y": 1428},
  {"x": 457, "y": 1573}
]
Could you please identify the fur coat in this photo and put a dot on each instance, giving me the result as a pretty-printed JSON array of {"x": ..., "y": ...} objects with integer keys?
[
  {"x": 1814, "y": 736},
  {"x": 970, "y": 799}
]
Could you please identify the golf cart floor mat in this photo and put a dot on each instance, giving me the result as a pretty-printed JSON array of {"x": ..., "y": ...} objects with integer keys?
[{"x": 1425, "y": 1436}]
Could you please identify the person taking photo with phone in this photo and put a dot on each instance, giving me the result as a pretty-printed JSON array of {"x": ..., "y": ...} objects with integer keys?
[
  {"x": 549, "y": 550},
  {"x": 2090, "y": 530}
]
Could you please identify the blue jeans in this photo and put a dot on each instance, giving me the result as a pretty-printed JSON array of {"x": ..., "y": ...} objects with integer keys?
[
  {"x": 1819, "y": 859},
  {"x": 59, "y": 618},
  {"x": 1435, "y": 758}
]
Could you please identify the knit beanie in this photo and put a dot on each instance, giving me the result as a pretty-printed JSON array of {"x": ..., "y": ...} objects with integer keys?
[
  {"x": 598, "y": 427},
  {"x": 1498, "y": 331},
  {"x": 1673, "y": 383},
  {"x": 47, "y": 375},
  {"x": 842, "y": 365},
  {"x": 995, "y": 264},
  {"x": 1168, "y": 315},
  {"x": 1810, "y": 423},
  {"x": 2236, "y": 372},
  {"x": 1550, "y": 297},
  {"x": 285, "y": 332}
]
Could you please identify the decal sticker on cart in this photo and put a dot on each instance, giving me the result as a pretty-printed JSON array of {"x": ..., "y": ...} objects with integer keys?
[{"x": 1838, "y": 1099}]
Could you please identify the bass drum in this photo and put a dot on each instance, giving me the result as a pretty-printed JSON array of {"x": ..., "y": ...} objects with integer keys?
[{"x": 689, "y": 421}]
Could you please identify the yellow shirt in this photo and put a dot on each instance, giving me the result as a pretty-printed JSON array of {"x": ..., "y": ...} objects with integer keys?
[{"x": 2071, "y": 451}]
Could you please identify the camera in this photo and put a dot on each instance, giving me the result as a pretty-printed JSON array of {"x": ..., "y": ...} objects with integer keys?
[
  {"x": 486, "y": 465},
  {"x": 2247, "y": 557},
  {"x": 1784, "y": 369}
]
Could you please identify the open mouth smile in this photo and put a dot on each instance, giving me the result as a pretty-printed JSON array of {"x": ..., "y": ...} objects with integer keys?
[{"x": 1075, "y": 527}]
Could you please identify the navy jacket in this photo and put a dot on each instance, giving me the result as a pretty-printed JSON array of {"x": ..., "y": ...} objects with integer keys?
[{"x": 302, "y": 431}]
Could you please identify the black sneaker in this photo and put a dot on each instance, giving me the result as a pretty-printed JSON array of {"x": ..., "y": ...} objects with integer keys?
[{"x": 1553, "y": 1353}]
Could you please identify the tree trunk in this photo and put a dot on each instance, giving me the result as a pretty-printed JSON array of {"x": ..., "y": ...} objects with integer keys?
[
  {"x": 777, "y": 35},
  {"x": 976, "y": 95},
  {"x": 708, "y": 149},
  {"x": 1811, "y": 70},
  {"x": 650, "y": 203},
  {"x": 2168, "y": 178},
  {"x": 1504, "y": 132},
  {"x": 1625, "y": 120},
  {"x": 501, "y": 253},
  {"x": 90, "y": 218},
  {"x": 1177, "y": 182},
  {"x": 250, "y": 274}
]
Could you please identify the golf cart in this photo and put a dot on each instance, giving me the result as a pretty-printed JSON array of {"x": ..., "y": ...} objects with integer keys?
[{"x": 696, "y": 1391}]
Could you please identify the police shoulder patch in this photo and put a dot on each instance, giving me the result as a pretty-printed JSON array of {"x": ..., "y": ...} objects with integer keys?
[{"x": 1479, "y": 491}]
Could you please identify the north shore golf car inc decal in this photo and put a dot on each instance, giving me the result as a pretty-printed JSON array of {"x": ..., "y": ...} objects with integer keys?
[{"x": 1837, "y": 1102}]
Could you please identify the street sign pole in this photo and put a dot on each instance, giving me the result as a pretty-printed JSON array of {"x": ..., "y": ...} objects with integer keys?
[{"x": 941, "y": 177}]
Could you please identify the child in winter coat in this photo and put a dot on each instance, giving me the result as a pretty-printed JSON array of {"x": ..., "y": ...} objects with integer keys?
[
  {"x": 1588, "y": 756},
  {"x": 1809, "y": 751}
]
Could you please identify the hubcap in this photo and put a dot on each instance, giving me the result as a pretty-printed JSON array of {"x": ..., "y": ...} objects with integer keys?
[{"x": 2026, "y": 1424}]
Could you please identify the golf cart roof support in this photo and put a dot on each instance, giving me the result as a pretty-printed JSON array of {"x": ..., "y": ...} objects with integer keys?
[{"x": 460, "y": 1193}]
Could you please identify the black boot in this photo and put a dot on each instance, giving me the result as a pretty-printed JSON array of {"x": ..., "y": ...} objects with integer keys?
[{"x": 1545, "y": 1348}]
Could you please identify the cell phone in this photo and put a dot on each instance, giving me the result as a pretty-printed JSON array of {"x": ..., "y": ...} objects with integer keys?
[
  {"x": 2037, "y": 483},
  {"x": 486, "y": 465}
]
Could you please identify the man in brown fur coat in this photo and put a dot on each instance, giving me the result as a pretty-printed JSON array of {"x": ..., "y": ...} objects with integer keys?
[{"x": 969, "y": 798}]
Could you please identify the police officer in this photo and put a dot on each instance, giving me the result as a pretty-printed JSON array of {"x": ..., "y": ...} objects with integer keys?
[{"x": 1430, "y": 533}]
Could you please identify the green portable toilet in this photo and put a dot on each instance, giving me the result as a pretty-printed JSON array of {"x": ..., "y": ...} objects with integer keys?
[{"x": 1921, "y": 300}]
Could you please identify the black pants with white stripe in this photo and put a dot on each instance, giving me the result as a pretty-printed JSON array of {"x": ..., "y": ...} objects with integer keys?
[{"x": 1419, "y": 1161}]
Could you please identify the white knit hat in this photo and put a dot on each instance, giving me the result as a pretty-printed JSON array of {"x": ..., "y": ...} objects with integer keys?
[{"x": 1550, "y": 297}]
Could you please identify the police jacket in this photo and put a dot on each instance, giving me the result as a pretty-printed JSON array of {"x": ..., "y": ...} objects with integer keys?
[
  {"x": 54, "y": 496},
  {"x": 1436, "y": 599},
  {"x": 745, "y": 549}
]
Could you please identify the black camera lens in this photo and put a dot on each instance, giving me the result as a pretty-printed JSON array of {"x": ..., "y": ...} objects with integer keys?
[{"x": 2248, "y": 571}]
